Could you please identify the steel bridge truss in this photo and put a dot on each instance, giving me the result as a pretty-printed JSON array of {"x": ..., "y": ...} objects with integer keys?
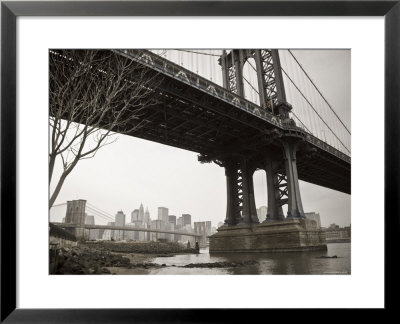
[
  {"x": 269, "y": 75},
  {"x": 195, "y": 114},
  {"x": 241, "y": 206}
]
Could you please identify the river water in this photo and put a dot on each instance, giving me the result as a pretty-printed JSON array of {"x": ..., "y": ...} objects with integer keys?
[{"x": 267, "y": 263}]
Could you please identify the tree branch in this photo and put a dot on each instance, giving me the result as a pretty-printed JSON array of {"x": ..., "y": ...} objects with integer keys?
[{"x": 93, "y": 94}]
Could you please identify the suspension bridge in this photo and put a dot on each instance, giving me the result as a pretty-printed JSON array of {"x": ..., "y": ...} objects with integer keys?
[{"x": 243, "y": 109}]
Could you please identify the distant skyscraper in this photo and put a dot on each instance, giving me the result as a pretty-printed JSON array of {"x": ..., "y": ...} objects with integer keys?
[
  {"x": 179, "y": 222},
  {"x": 163, "y": 214},
  {"x": 186, "y": 219},
  {"x": 135, "y": 216},
  {"x": 119, "y": 221},
  {"x": 120, "y": 218},
  {"x": 141, "y": 213},
  {"x": 147, "y": 216},
  {"x": 171, "y": 237},
  {"x": 172, "y": 219},
  {"x": 156, "y": 224}
]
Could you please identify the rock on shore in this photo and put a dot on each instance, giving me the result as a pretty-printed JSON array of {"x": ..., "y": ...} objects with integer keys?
[
  {"x": 141, "y": 247},
  {"x": 95, "y": 257},
  {"x": 84, "y": 260}
]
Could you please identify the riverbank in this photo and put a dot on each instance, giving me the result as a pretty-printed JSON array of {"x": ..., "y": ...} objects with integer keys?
[
  {"x": 140, "y": 247},
  {"x": 99, "y": 260},
  {"x": 100, "y": 257}
]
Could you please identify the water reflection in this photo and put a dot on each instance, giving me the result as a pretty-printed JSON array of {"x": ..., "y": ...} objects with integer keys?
[{"x": 267, "y": 263}]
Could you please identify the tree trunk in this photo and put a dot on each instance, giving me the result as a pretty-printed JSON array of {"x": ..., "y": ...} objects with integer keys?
[
  {"x": 51, "y": 166},
  {"x": 58, "y": 188}
]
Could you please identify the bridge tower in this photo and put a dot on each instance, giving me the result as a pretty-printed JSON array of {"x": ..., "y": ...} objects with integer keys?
[
  {"x": 282, "y": 186},
  {"x": 76, "y": 215}
]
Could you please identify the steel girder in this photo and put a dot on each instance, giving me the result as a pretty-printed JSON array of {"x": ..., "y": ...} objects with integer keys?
[
  {"x": 269, "y": 75},
  {"x": 241, "y": 132}
]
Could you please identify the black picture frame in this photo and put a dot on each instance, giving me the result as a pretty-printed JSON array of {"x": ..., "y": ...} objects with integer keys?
[{"x": 10, "y": 10}]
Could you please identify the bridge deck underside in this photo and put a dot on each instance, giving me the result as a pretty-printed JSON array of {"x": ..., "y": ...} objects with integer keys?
[{"x": 188, "y": 118}]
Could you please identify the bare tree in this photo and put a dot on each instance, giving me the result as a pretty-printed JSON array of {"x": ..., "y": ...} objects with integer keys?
[{"x": 94, "y": 94}]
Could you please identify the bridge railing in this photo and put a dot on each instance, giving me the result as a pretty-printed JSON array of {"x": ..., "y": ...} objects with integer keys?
[
  {"x": 311, "y": 108},
  {"x": 319, "y": 143},
  {"x": 162, "y": 65}
]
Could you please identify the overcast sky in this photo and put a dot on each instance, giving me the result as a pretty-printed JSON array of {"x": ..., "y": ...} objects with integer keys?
[{"x": 133, "y": 171}]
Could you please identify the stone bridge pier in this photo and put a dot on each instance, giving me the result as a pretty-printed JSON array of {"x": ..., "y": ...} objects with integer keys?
[{"x": 242, "y": 231}]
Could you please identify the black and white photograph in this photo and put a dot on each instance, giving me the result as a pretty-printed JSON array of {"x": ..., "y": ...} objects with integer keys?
[
  {"x": 191, "y": 161},
  {"x": 197, "y": 161}
]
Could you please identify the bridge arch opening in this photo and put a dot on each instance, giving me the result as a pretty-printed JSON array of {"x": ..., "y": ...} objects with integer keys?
[
  {"x": 260, "y": 194},
  {"x": 250, "y": 83}
]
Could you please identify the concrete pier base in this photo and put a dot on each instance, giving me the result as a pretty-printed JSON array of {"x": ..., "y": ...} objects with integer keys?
[{"x": 273, "y": 236}]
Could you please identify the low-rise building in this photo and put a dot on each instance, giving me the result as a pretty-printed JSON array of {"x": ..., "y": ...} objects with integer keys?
[
  {"x": 334, "y": 233},
  {"x": 315, "y": 217}
]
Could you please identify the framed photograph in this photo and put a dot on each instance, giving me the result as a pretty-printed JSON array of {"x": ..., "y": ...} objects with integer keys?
[{"x": 162, "y": 159}]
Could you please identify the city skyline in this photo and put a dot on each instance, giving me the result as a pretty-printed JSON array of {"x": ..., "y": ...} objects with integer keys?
[
  {"x": 90, "y": 218},
  {"x": 165, "y": 176},
  {"x": 76, "y": 213},
  {"x": 59, "y": 215}
]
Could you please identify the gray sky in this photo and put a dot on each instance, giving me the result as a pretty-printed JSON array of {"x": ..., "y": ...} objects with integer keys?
[{"x": 133, "y": 171}]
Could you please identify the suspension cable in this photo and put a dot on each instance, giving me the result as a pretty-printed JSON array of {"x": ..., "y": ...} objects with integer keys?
[
  {"x": 91, "y": 206},
  {"x": 195, "y": 52},
  {"x": 99, "y": 214},
  {"x": 63, "y": 204},
  {"x": 248, "y": 61},
  {"x": 315, "y": 110},
  {"x": 318, "y": 91},
  {"x": 251, "y": 85},
  {"x": 301, "y": 122}
]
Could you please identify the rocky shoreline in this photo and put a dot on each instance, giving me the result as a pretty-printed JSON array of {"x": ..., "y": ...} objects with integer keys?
[
  {"x": 140, "y": 247},
  {"x": 97, "y": 257},
  {"x": 111, "y": 258}
]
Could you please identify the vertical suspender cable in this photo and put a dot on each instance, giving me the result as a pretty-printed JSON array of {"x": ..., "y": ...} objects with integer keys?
[
  {"x": 233, "y": 68},
  {"x": 192, "y": 63},
  {"x": 211, "y": 68},
  {"x": 197, "y": 64}
]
